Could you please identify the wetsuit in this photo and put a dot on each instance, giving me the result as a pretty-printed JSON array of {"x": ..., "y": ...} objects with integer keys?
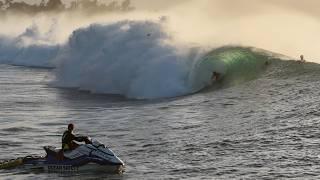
[
  {"x": 68, "y": 139},
  {"x": 215, "y": 76}
]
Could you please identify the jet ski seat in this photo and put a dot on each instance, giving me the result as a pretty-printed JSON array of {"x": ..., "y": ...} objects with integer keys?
[
  {"x": 51, "y": 149},
  {"x": 55, "y": 152}
]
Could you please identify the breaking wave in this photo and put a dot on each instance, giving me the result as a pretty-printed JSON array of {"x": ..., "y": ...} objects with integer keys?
[{"x": 136, "y": 59}]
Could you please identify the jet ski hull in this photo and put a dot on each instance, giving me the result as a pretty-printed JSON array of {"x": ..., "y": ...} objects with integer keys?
[
  {"x": 90, "y": 167},
  {"x": 93, "y": 157}
]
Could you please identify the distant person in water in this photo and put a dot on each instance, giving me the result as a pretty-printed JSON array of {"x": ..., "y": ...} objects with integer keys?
[
  {"x": 215, "y": 76},
  {"x": 302, "y": 60}
]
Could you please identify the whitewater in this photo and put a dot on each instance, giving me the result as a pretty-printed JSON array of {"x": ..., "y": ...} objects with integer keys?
[{"x": 150, "y": 98}]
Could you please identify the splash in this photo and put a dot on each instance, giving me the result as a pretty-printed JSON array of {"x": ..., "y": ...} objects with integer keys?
[
  {"x": 131, "y": 58},
  {"x": 30, "y": 48}
]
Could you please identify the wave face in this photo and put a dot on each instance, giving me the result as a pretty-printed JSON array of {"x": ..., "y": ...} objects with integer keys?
[
  {"x": 235, "y": 64},
  {"x": 131, "y": 58}
]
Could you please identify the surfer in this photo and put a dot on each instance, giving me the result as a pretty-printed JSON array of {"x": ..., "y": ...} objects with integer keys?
[
  {"x": 68, "y": 139},
  {"x": 302, "y": 60},
  {"x": 215, "y": 76}
]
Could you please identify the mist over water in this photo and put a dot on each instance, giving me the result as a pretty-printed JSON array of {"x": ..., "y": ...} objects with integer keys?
[{"x": 290, "y": 28}]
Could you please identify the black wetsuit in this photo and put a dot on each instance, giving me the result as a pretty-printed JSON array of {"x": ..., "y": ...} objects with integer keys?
[
  {"x": 68, "y": 139},
  {"x": 215, "y": 76}
]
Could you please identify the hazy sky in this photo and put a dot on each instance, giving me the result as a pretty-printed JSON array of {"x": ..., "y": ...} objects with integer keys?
[{"x": 290, "y": 27}]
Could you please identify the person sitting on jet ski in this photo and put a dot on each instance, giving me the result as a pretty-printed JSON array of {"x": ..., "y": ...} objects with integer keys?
[{"x": 68, "y": 139}]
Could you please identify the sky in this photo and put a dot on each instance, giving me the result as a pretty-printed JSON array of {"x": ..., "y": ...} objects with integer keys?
[{"x": 289, "y": 27}]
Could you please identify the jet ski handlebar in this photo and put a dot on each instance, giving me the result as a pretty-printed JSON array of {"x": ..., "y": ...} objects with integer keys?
[{"x": 85, "y": 139}]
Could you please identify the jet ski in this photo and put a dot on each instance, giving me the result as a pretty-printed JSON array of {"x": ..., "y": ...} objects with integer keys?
[{"x": 91, "y": 157}]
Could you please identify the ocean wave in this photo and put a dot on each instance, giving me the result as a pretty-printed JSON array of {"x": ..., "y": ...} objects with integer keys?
[{"x": 136, "y": 59}]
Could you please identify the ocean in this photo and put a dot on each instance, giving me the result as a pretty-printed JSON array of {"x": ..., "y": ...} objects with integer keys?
[{"x": 155, "y": 106}]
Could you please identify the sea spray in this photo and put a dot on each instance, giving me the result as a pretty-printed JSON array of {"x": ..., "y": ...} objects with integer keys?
[
  {"x": 30, "y": 48},
  {"x": 130, "y": 58}
]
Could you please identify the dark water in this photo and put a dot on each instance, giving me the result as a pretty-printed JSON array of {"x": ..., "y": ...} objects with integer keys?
[{"x": 266, "y": 128}]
